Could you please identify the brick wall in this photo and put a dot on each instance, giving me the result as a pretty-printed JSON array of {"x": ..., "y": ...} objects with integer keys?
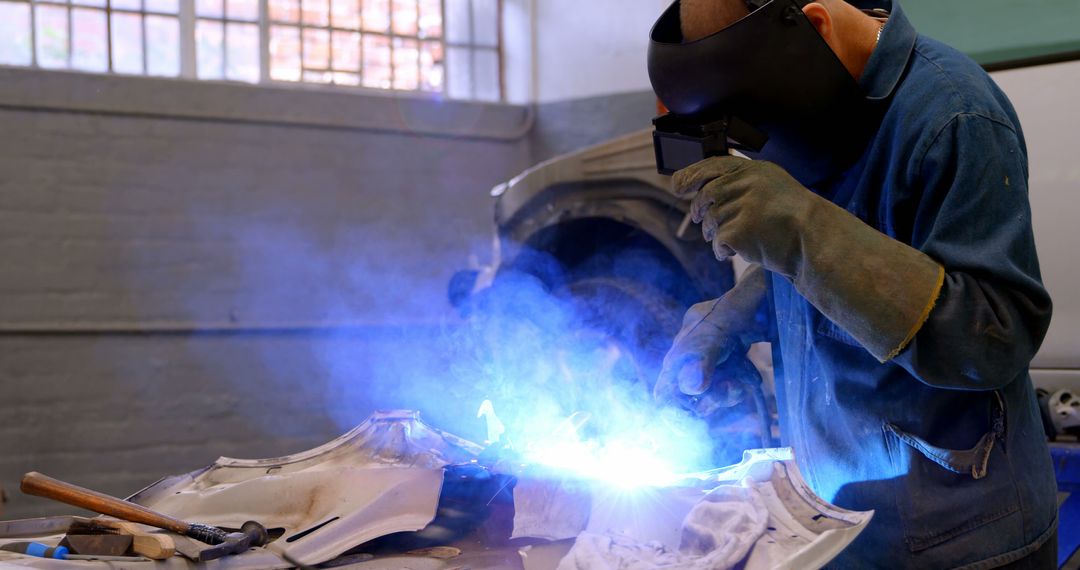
[{"x": 193, "y": 270}]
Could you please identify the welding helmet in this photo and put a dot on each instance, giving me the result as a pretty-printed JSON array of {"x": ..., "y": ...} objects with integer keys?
[{"x": 770, "y": 70}]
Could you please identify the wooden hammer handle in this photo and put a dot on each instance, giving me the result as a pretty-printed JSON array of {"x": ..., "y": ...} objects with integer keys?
[{"x": 43, "y": 486}]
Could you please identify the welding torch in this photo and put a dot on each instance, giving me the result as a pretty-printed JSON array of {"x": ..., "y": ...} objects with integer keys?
[{"x": 731, "y": 380}]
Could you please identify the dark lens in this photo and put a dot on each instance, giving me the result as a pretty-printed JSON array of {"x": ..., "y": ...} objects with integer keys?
[{"x": 675, "y": 154}]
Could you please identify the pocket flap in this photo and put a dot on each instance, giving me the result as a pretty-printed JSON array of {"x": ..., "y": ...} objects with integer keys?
[{"x": 973, "y": 461}]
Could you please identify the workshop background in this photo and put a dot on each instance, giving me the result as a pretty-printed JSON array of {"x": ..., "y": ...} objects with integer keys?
[{"x": 229, "y": 261}]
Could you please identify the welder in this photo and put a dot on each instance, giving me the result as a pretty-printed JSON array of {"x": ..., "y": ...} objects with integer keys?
[{"x": 894, "y": 269}]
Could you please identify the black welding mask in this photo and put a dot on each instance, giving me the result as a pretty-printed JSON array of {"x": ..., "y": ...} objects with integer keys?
[{"x": 767, "y": 85}]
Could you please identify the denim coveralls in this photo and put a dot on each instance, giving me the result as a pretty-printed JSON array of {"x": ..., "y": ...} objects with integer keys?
[{"x": 945, "y": 442}]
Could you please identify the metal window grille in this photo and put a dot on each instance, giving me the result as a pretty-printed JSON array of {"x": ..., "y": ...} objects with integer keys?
[{"x": 452, "y": 47}]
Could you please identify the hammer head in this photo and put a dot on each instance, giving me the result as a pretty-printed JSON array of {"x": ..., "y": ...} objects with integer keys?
[{"x": 251, "y": 534}]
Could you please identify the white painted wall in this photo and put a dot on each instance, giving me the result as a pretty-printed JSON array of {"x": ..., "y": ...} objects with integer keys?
[
  {"x": 1045, "y": 99},
  {"x": 518, "y": 33},
  {"x": 585, "y": 48}
]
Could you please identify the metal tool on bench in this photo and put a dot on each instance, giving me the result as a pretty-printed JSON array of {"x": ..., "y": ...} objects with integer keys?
[
  {"x": 40, "y": 550},
  {"x": 226, "y": 543},
  {"x": 37, "y": 549},
  {"x": 153, "y": 545}
]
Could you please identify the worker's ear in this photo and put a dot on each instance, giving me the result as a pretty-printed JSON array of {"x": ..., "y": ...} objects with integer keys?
[{"x": 820, "y": 17}]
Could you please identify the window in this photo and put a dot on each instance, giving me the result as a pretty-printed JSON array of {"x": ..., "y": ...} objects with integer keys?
[
  {"x": 227, "y": 40},
  {"x": 441, "y": 46},
  {"x": 122, "y": 36}
]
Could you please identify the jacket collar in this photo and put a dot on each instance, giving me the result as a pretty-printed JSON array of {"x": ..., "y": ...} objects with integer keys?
[{"x": 890, "y": 57}]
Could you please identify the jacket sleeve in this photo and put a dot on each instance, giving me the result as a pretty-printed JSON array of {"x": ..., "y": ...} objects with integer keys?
[{"x": 974, "y": 217}]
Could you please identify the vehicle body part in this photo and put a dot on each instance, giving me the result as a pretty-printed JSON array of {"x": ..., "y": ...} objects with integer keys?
[
  {"x": 380, "y": 485},
  {"x": 573, "y": 206},
  {"x": 43, "y": 486},
  {"x": 600, "y": 229},
  {"x": 383, "y": 477}
]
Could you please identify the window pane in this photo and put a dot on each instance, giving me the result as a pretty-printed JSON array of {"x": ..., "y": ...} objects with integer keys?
[
  {"x": 431, "y": 66},
  {"x": 126, "y": 4},
  {"x": 242, "y": 41},
  {"x": 377, "y": 62},
  {"x": 97, "y": 3},
  {"x": 459, "y": 73},
  {"x": 162, "y": 46},
  {"x": 242, "y": 9},
  {"x": 404, "y": 17},
  {"x": 458, "y": 21},
  {"x": 285, "y": 53},
  {"x": 208, "y": 8},
  {"x": 485, "y": 22},
  {"x": 431, "y": 18},
  {"x": 285, "y": 10},
  {"x": 89, "y": 40},
  {"x": 51, "y": 36},
  {"x": 406, "y": 64},
  {"x": 376, "y": 15},
  {"x": 486, "y": 72},
  {"x": 127, "y": 56},
  {"x": 15, "y": 34},
  {"x": 346, "y": 51},
  {"x": 316, "y": 49},
  {"x": 209, "y": 42},
  {"x": 163, "y": 6},
  {"x": 316, "y": 12},
  {"x": 346, "y": 13}
]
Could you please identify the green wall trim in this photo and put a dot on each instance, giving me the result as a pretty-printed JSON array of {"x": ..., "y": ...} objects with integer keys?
[{"x": 995, "y": 31}]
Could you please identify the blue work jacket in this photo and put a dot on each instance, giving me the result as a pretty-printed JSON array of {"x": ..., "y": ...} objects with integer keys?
[{"x": 944, "y": 442}]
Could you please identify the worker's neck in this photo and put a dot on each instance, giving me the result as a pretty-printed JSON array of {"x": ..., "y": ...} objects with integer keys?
[{"x": 864, "y": 32}]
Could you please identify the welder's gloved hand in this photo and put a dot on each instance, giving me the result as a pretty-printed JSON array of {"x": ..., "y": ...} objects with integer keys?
[
  {"x": 878, "y": 289},
  {"x": 711, "y": 333}
]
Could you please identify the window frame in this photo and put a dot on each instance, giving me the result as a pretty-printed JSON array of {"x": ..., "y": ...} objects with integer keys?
[
  {"x": 107, "y": 11},
  {"x": 187, "y": 20}
]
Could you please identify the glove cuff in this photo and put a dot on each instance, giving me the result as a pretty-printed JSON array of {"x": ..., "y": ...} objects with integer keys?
[
  {"x": 880, "y": 290},
  {"x": 915, "y": 328}
]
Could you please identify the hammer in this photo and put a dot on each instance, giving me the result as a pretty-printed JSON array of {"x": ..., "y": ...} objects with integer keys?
[{"x": 251, "y": 533}]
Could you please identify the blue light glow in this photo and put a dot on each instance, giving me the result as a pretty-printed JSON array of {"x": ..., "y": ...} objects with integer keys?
[{"x": 653, "y": 454}]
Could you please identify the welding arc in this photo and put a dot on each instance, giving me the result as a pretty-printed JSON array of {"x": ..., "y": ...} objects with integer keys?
[{"x": 44, "y": 486}]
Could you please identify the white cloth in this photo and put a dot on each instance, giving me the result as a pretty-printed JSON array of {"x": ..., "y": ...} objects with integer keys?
[
  {"x": 550, "y": 511},
  {"x": 717, "y": 534}
]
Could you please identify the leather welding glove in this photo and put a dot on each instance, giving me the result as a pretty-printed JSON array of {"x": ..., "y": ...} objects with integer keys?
[
  {"x": 878, "y": 289},
  {"x": 711, "y": 333}
]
